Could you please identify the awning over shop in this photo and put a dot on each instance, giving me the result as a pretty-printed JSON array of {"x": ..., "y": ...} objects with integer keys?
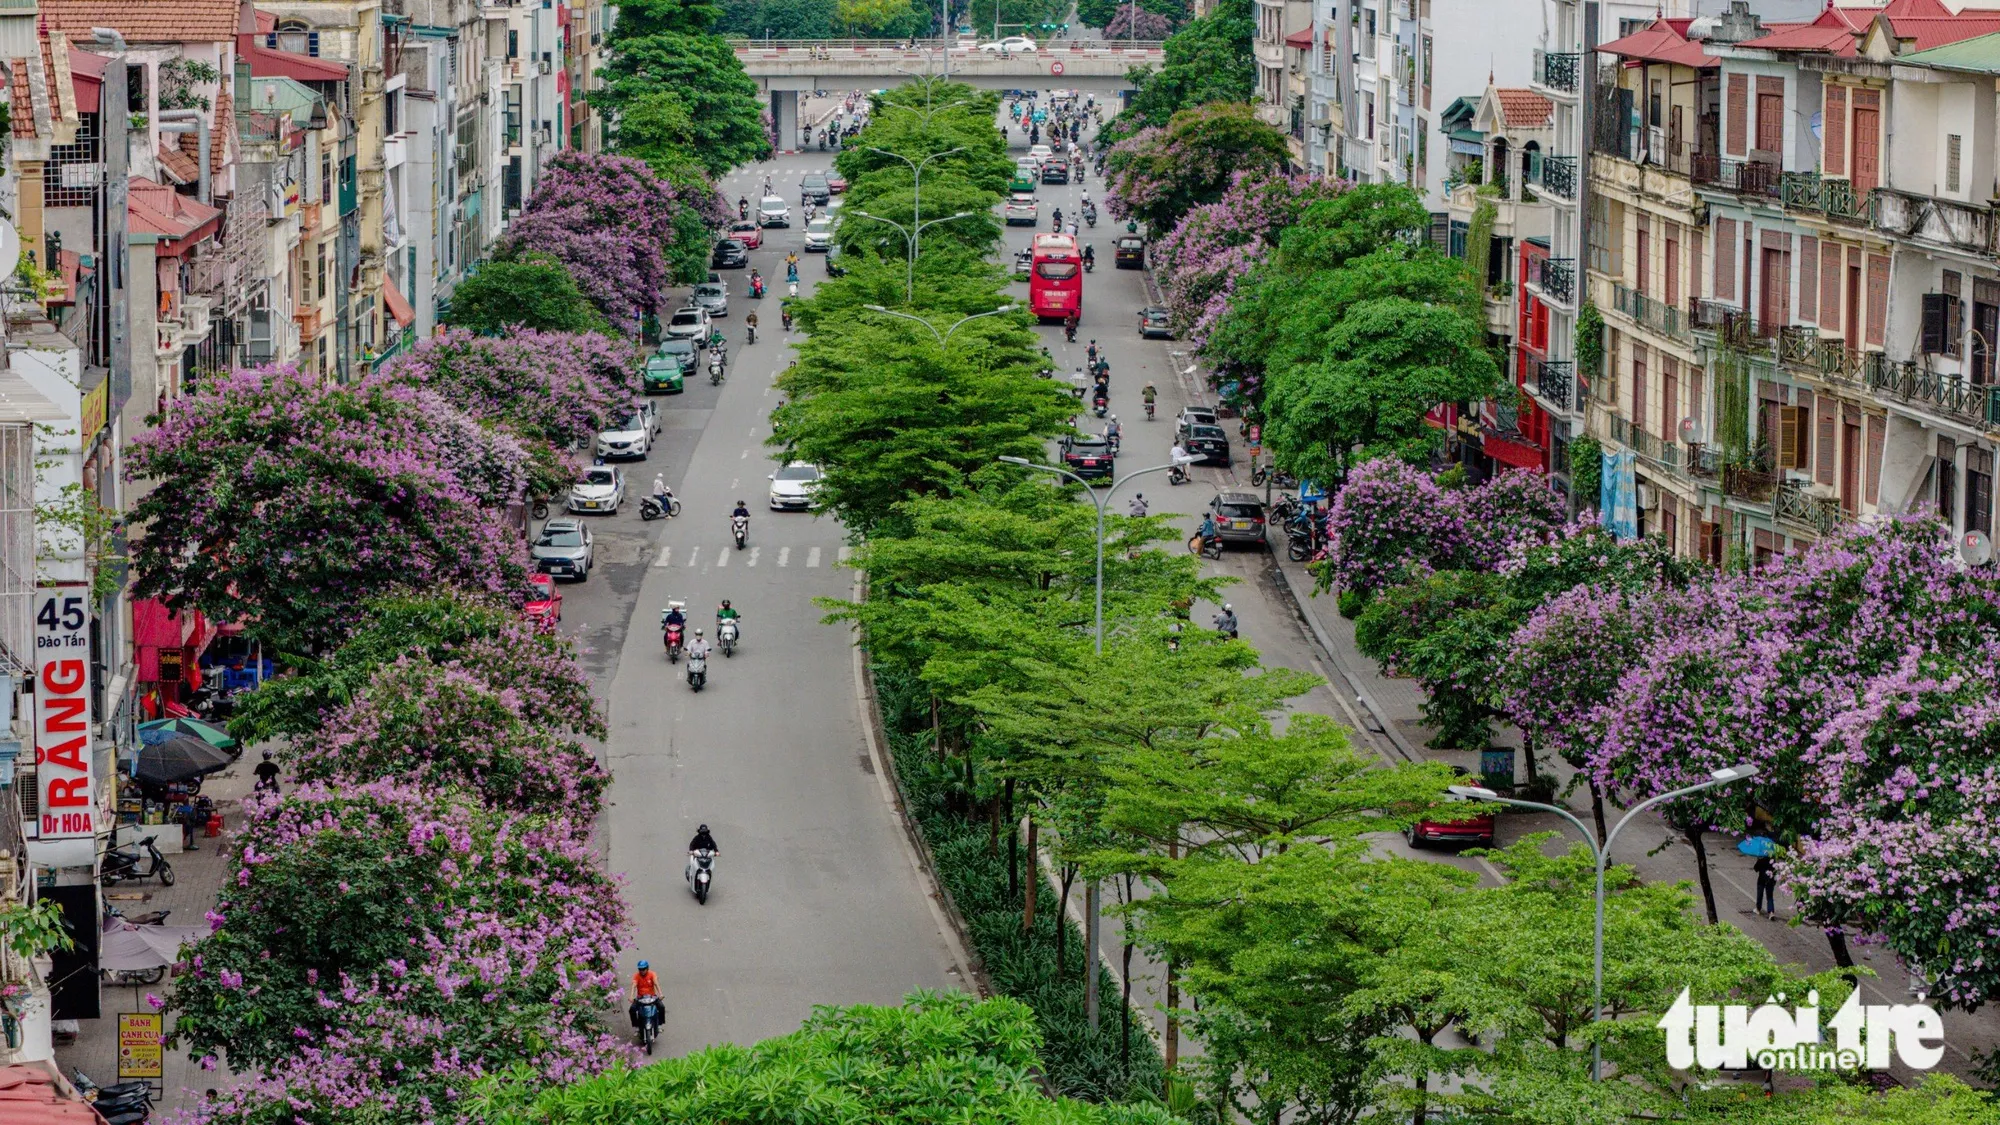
[{"x": 398, "y": 305}]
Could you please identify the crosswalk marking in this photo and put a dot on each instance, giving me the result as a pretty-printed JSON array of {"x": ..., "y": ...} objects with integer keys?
[
  {"x": 694, "y": 555},
  {"x": 845, "y": 554},
  {"x": 666, "y": 556},
  {"x": 754, "y": 552},
  {"x": 812, "y": 557},
  {"x": 724, "y": 560},
  {"x": 784, "y": 556}
]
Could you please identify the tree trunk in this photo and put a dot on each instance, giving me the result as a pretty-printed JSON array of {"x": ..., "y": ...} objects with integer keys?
[
  {"x": 1034, "y": 883},
  {"x": 1173, "y": 1056},
  {"x": 1062, "y": 920},
  {"x": 1013, "y": 845},
  {"x": 993, "y": 827},
  {"x": 1597, "y": 810},
  {"x": 1125, "y": 1011},
  {"x": 1837, "y": 940},
  {"x": 1694, "y": 839},
  {"x": 1528, "y": 752},
  {"x": 937, "y": 729}
]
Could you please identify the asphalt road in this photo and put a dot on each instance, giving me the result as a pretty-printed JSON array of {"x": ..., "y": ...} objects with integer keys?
[{"x": 816, "y": 897}]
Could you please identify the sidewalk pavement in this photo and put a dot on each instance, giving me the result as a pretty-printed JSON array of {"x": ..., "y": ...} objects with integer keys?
[
  {"x": 1657, "y": 852},
  {"x": 198, "y": 877}
]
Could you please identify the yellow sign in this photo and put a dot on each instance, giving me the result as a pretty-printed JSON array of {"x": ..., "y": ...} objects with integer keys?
[
  {"x": 139, "y": 1049},
  {"x": 96, "y": 411}
]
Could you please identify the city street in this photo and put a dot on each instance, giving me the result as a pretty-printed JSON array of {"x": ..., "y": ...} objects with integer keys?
[{"x": 816, "y": 899}]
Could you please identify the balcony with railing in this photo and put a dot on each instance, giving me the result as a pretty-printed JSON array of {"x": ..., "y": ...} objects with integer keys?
[
  {"x": 1951, "y": 395},
  {"x": 1836, "y": 199},
  {"x": 1794, "y": 502},
  {"x": 1744, "y": 177},
  {"x": 1825, "y": 358},
  {"x": 1555, "y": 277},
  {"x": 1655, "y": 316},
  {"x": 1747, "y": 483},
  {"x": 1938, "y": 222},
  {"x": 1558, "y": 177},
  {"x": 1553, "y": 380},
  {"x": 1557, "y": 70},
  {"x": 1658, "y": 452},
  {"x": 1735, "y": 328}
]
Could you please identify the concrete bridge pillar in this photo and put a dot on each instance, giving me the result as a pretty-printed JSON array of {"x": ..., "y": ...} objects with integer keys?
[{"x": 785, "y": 118}]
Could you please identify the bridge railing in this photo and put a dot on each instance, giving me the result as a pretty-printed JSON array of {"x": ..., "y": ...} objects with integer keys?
[{"x": 927, "y": 46}]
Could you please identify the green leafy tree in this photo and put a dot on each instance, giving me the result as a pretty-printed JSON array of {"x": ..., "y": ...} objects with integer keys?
[
  {"x": 535, "y": 291},
  {"x": 725, "y": 116},
  {"x": 1158, "y": 176},
  {"x": 1447, "y": 631},
  {"x": 1209, "y": 60},
  {"x": 780, "y": 19}
]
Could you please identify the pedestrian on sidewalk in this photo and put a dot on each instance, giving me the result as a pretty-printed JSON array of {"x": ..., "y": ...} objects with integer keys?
[
  {"x": 192, "y": 820},
  {"x": 1767, "y": 886},
  {"x": 267, "y": 774}
]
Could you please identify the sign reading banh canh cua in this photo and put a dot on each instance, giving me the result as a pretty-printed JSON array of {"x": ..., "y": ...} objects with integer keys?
[
  {"x": 62, "y": 714},
  {"x": 139, "y": 1044}
]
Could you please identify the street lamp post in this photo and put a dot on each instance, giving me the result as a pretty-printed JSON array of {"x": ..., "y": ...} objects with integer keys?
[
  {"x": 1090, "y": 898},
  {"x": 943, "y": 338},
  {"x": 910, "y": 243},
  {"x": 1603, "y": 854}
]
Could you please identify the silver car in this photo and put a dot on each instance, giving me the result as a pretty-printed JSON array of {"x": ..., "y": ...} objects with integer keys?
[
  {"x": 564, "y": 549},
  {"x": 711, "y": 297}
]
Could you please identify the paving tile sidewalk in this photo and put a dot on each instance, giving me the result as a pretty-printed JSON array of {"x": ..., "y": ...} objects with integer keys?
[
  {"x": 198, "y": 876},
  {"x": 1648, "y": 845}
]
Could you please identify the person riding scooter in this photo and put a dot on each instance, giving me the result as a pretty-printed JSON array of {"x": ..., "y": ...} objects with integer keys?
[
  {"x": 1225, "y": 622},
  {"x": 750, "y": 322},
  {"x": 743, "y": 208},
  {"x": 1209, "y": 534},
  {"x": 703, "y": 842},
  {"x": 756, "y": 283},
  {"x": 1089, "y": 259}
]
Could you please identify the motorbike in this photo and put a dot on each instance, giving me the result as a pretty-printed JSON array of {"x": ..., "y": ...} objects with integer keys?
[
  {"x": 786, "y": 316},
  {"x": 715, "y": 370},
  {"x": 751, "y": 336},
  {"x": 1177, "y": 475},
  {"x": 138, "y": 861},
  {"x": 1101, "y": 406},
  {"x": 740, "y": 527},
  {"x": 1069, "y": 332},
  {"x": 1208, "y": 548},
  {"x": 1090, "y": 216},
  {"x": 654, "y": 507},
  {"x": 1300, "y": 542},
  {"x": 697, "y": 671},
  {"x": 1225, "y": 623},
  {"x": 756, "y": 287},
  {"x": 726, "y": 632},
  {"x": 648, "y": 1015},
  {"x": 1149, "y": 412},
  {"x": 1100, "y": 369},
  {"x": 1278, "y": 477},
  {"x": 700, "y": 873},
  {"x": 1090, "y": 265},
  {"x": 121, "y": 1103},
  {"x": 674, "y": 637}
]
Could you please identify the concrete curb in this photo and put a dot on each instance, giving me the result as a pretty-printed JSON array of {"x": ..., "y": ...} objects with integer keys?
[
  {"x": 944, "y": 909},
  {"x": 1332, "y": 654}
]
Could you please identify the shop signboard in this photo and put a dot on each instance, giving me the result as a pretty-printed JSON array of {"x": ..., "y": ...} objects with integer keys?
[
  {"x": 139, "y": 1050},
  {"x": 63, "y": 760}
]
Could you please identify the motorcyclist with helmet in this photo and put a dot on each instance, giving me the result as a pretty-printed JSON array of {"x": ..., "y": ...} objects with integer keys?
[
  {"x": 703, "y": 842},
  {"x": 645, "y": 990}
]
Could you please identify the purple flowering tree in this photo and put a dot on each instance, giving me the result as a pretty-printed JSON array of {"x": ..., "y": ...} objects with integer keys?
[
  {"x": 282, "y": 500},
  {"x": 1506, "y": 516},
  {"x": 1201, "y": 260},
  {"x": 1158, "y": 175},
  {"x": 611, "y": 221},
  {"x": 1134, "y": 22}
]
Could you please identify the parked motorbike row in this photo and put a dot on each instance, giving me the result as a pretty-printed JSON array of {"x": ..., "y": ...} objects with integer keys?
[{"x": 121, "y": 1103}]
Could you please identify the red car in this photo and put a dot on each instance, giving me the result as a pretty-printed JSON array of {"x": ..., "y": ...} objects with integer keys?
[
  {"x": 836, "y": 183},
  {"x": 1475, "y": 830},
  {"x": 748, "y": 233},
  {"x": 543, "y": 602}
]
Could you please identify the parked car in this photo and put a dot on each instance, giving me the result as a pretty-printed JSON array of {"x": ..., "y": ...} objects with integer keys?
[
  {"x": 1130, "y": 253},
  {"x": 1087, "y": 455},
  {"x": 541, "y": 602},
  {"x": 836, "y": 182},
  {"x": 1055, "y": 171},
  {"x": 814, "y": 188},
  {"x": 1209, "y": 443},
  {"x": 690, "y": 323},
  {"x": 1239, "y": 517},
  {"x": 564, "y": 549},
  {"x": 748, "y": 233},
  {"x": 601, "y": 489},
  {"x": 628, "y": 437},
  {"x": 666, "y": 373},
  {"x": 793, "y": 486},
  {"x": 1194, "y": 416},
  {"x": 773, "y": 211},
  {"x": 729, "y": 255},
  {"x": 819, "y": 234},
  {"x": 1021, "y": 210},
  {"x": 1154, "y": 323},
  {"x": 712, "y": 297},
  {"x": 1010, "y": 44},
  {"x": 1473, "y": 829}
]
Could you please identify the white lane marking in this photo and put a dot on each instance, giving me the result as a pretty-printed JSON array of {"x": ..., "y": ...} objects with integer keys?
[
  {"x": 694, "y": 554},
  {"x": 812, "y": 557},
  {"x": 745, "y": 457},
  {"x": 666, "y": 556},
  {"x": 732, "y": 484},
  {"x": 767, "y": 393},
  {"x": 754, "y": 552},
  {"x": 784, "y": 556},
  {"x": 752, "y": 433},
  {"x": 845, "y": 554},
  {"x": 723, "y": 557}
]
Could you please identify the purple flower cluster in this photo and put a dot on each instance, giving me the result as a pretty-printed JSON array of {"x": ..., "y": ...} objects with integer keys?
[
  {"x": 610, "y": 220},
  {"x": 1393, "y": 523},
  {"x": 1203, "y": 259}
]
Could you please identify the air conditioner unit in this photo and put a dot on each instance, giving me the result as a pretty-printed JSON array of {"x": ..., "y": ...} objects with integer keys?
[
  {"x": 542, "y": 66},
  {"x": 1649, "y": 497}
]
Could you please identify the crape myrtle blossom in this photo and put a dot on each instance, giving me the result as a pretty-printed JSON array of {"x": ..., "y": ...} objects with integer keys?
[
  {"x": 1201, "y": 262},
  {"x": 1393, "y": 524},
  {"x": 611, "y": 221}
]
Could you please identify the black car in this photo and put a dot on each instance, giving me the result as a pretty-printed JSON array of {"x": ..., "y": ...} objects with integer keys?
[
  {"x": 1209, "y": 443},
  {"x": 683, "y": 351},
  {"x": 1087, "y": 455},
  {"x": 815, "y": 188},
  {"x": 1055, "y": 172},
  {"x": 1153, "y": 323},
  {"x": 730, "y": 255},
  {"x": 1131, "y": 253}
]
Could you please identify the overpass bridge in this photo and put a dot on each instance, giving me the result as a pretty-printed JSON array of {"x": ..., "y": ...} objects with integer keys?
[{"x": 785, "y": 68}]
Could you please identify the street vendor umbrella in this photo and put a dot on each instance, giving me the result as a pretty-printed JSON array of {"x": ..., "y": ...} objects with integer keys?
[
  {"x": 178, "y": 757},
  {"x": 158, "y": 729},
  {"x": 137, "y": 948},
  {"x": 1758, "y": 846}
]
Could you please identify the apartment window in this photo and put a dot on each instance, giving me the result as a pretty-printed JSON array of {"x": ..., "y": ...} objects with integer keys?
[
  {"x": 61, "y": 188},
  {"x": 1770, "y": 114},
  {"x": 1794, "y": 437},
  {"x": 1951, "y": 162},
  {"x": 321, "y": 346},
  {"x": 1629, "y": 26},
  {"x": 1979, "y": 491},
  {"x": 295, "y": 37},
  {"x": 1368, "y": 33},
  {"x": 1606, "y": 230},
  {"x": 1671, "y": 267},
  {"x": 1368, "y": 103},
  {"x": 513, "y": 44},
  {"x": 1945, "y": 472},
  {"x": 319, "y": 273},
  {"x": 326, "y": 177},
  {"x": 392, "y": 110},
  {"x": 511, "y": 189}
]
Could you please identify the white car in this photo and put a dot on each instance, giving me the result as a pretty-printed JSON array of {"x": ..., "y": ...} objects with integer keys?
[
  {"x": 773, "y": 211},
  {"x": 1040, "y": 154},
  {"x": 1011, "y": 43},
  {"x": 819, "y": 234},
  {"x": 690, "y": 323},
  {"x": 631, "y": 436},
  {"x": 793, "y": 486},
  {"x": 601, "y": 490}
]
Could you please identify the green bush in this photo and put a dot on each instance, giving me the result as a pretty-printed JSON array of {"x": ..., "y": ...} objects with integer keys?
[
  {"x": 1022, "y": 965},
  {"x": 1352, "y": 602}
]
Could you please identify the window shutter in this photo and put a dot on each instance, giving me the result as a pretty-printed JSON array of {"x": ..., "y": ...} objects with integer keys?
[
  {"x": 1872, "y": 477},
  {"x": 1829, "y": 290},
  {"x": 1878, "y": 297},
  {"x": 1770, "y": 114},
  {"x": 1809, "y": 279},
  {"x": 1823, "y": 470},
  {"x": 1725, "y": 259},
  {"x": 1788, "y": 438},
  {"x": 1835, "y": 128},
  {"x": 1738, "y": 112},
  {"x": 1951, "y": 147},
  {"x": 1936, "y": 313}
]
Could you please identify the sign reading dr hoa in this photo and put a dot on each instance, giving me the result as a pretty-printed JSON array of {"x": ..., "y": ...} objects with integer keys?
[{"x": 63, "y": 758}]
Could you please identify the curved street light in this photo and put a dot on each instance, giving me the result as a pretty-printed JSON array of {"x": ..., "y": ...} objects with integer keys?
[
  {"x": 943, "y": 338},
  {"x": 910, "y": 243}
]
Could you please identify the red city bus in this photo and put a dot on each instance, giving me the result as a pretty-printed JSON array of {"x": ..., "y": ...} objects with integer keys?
[{"x": 1055, "y": 279}]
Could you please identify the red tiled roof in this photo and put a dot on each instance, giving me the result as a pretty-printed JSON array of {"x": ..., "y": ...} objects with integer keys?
[
  {"x": 1662, "y": 42},
  {"x": 269, "y": 62},
  {"x": 1839, "y": 31},
  {"x": 1303, "y": 38},
  {"x": 24, "y": 113},
  {"x": 1927, "y": 32},
  {"x": 1520, "y": 106},
  {"x": 158, "y": 209},
  {"x": 31, "y": 1095},
  {"x": 176, "y": 165},
  {"x": 146, "y": 21}
]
